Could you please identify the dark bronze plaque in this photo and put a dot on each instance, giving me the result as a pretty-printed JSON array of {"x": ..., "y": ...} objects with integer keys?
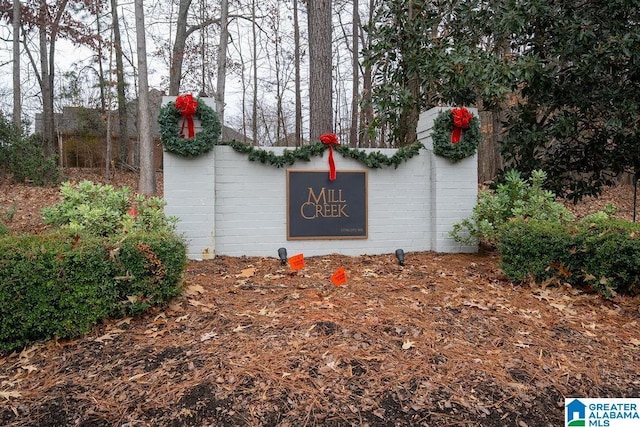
[{"x": 318, "y": 208}]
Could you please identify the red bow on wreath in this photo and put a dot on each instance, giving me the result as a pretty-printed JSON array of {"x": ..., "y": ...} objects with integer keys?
[
  {"x": 461, "y": 119},
  {"x": 187, "y": 106},
  {"x": 330, "y": 139}
]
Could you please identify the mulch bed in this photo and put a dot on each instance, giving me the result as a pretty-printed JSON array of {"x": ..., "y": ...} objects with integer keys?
[
  {"x": 445, "y": 340},
  {"x": 442, "y": 341}
]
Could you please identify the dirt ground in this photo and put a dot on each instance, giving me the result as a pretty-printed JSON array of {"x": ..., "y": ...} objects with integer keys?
[{"x": 445, "y": 340}]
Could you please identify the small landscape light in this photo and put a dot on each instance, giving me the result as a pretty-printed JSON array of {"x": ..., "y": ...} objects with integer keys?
[
  {"x": 282, "y": 254},
  {"x": 400, "y": 256}
]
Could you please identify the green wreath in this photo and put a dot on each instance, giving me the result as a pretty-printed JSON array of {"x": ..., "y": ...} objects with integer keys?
[
  {"x": 201, "y": 143},
  {"x": 442, "y": 129}
]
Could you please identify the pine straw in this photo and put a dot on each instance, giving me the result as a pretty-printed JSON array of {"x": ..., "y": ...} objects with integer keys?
[{"x": 445, "y": 340}]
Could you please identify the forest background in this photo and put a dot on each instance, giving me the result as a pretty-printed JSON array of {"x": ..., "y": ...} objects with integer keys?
[{"x": 558, "y": 82}]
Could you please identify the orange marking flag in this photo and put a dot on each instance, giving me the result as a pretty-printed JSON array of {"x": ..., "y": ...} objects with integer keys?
[
  {"x": 339, "y": 277},
  {"x": 296, "y": 262}
]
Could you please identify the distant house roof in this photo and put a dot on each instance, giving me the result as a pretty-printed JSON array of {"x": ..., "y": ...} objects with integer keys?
[{"x": 82, "y": 121}]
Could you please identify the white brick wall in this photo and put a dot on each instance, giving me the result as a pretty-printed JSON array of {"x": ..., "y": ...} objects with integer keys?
[
  {"x": 189, "y": 192},
  {"x": 231, "y": 206}
]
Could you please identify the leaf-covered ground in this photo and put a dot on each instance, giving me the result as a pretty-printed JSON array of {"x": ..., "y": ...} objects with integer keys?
[{"x": 445, "y": 340}]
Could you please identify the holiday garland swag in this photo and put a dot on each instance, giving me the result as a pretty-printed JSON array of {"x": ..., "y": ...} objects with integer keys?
[
  {"x": 456, "y": 134},
  {"x": 373, "y": 160},
  {"x": 173, "y": 140},
  {"x": 173, "y": 136},
  {"x": 194, "y": 144}
]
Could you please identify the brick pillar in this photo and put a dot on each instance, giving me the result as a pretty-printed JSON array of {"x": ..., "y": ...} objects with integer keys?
[
  {"x": 189, "y": 190},
  {"x": 454, "y": 188}
]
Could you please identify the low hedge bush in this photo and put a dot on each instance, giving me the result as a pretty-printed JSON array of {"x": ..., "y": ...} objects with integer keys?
[
  {"x": 529, "y": 248},
  {"x": 608, "y": 254},
  {"x": 514, "y": 198},
  {"x": 601, "y": 254},
  {"x": 149, "y": 270},
  {"x": 61, "y": 284}
]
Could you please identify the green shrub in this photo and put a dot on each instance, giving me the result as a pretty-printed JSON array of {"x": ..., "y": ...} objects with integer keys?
[
  {"x": 608, "y": 253},
  {"x": 598, "y": 252},
  {"x": 52, "y": 285},
  {"x": 6, "y": 214},
  {"x": 149, "y": 216},
  {"x": 9, "y": 134},
  {"x": 515, "y": 198},
  {"x": 60, "y": 284},
  {"x": 148, "y": 268},
  {"x": 103, "y": 210},
  {"x": 26, "y": 160},
  {"x": 533, "y": 249}
]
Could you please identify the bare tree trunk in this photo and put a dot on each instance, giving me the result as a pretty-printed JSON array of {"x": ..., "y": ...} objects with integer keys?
[
  {"x": 245, "y": 86},
  {"x": 355, "y": 64},
  {"x": 48, "y": 33},
  {"x": 17, "y": 99},
  {"x": 147, "y": 183},
  {"x": 296, "y": 36},
  {"x": 222, "y": 63},
  {"x": 177, "y": 56},
  {"x": 320, "y": 76},
  {"x": 366, "y": 112},
  {"x": 109, "y": 142},
  {"x": 101, "y": 79},
  {"x": 279, "y": 86},
  {"x": 410, "y": 113},
  {"x": 254, "y": 112},
  {"x": 123, "y": 120},
  {"x": 46, "y": 83}
]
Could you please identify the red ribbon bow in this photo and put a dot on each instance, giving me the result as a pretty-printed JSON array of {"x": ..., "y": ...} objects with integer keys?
[
  {"x": 187, "y": 106},
  {"x": 330, "y": 139},
  {"x": 461, "y": 119}
]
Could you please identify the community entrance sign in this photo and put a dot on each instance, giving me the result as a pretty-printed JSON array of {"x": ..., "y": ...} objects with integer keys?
[
  {"x": 318, "y": 208},
  {"x": 235, "y": 204}
]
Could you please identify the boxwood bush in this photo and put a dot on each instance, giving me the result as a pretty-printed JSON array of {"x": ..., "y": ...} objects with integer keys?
[
  {"x": 608, "y": 254},
  {"x": 530, "y": 248},
  {"x": 61, "y": 284},
  {"x": 149, "y": 270},
  {"x": 597, "y": 252},
  {"x": 49, "y": 287}
]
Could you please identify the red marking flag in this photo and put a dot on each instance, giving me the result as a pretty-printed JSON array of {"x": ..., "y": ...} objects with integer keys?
[
  {"x": 339, "y": 277},
  {"x": 296, "y": 262}
]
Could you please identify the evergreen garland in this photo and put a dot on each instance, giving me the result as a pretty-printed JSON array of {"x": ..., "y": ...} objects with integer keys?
[
  {"x": 441, "y": 136},
  {"x": 201, "y": 143},
  {"x": 209, "y": 136},
  {"x": 373, "y": 160}
]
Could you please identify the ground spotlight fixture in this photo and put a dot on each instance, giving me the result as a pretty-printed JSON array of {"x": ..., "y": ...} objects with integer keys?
[
  {"x": 282, "y": 254},
  {"x": 400, "y": 256}
]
